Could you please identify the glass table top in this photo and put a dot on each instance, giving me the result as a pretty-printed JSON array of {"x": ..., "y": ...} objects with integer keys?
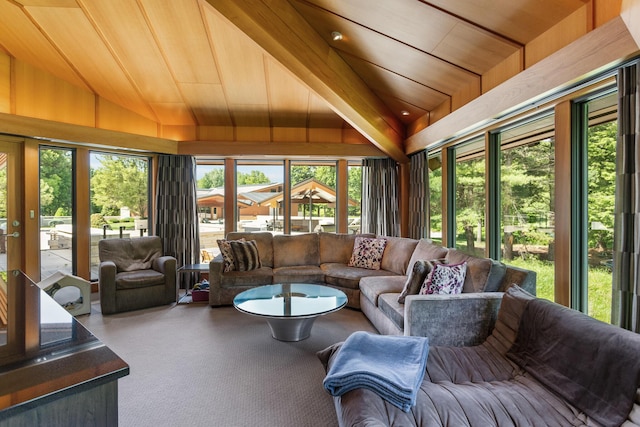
[{"x": 290, "y": 300}]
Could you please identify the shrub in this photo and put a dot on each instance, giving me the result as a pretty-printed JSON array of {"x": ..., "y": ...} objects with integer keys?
[{"x": 97, "y": 220}]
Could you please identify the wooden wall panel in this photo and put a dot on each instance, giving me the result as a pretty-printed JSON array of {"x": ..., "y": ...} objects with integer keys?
[
  {"x": 281, "y": 134},
  {"x": 352, "y": 136},
  {"x": 503, "y": 71},
  {"x": 325, "y": 135},
  {"x": 563, "y": 33},
  {"x": 114, "y": 117},
  {"x": 466, "y": 94},
  {"x": 179, "y": 133},
  {"x": 440, "y": 111},
  {"x": 41, "y": 95},
  {"x": 253, "y": 134},
  {"x": 215, "y": 133},
  {"x": 5, "y": 83},
  {"x": 595, "y": 50},
  {"x": 605, "y": 10}
]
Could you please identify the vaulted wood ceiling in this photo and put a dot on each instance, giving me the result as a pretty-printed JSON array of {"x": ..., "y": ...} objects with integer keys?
[{"x": 274, "y": 63}]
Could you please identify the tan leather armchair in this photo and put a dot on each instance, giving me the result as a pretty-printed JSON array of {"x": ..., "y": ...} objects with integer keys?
[{"x": 134, "y": 274}]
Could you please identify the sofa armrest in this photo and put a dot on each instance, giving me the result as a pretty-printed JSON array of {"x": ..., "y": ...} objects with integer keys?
[
  {"x": 452, "y": 320},
  {"x": 215, "y": 276},
  {"x": 107, "y": 286},
  {"x": 168, "y": 265}
]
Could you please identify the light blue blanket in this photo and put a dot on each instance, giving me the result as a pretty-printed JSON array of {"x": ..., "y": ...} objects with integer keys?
[{"x": 391, "y": 366}]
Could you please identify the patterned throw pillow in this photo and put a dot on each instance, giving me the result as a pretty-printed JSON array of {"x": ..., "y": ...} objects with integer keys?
[
  {"x": 227, "y": 254},
  {"x": 416, "y": 277},
  {"x": 245, "y": 255},
  {"x": 367, "y": 253},
  {"x": 445, "y": 279}
]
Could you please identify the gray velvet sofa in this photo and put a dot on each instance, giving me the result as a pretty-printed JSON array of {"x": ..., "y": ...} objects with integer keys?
[
  {"x": 541, "y": 365},
  {"x": 324, "y": 257}
]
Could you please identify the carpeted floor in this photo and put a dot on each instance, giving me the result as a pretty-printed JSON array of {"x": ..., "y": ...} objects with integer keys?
[{"x": 192, "y": 365}]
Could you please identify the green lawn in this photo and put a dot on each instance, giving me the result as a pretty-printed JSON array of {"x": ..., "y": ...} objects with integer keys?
[{"x": 599, "y": 285}]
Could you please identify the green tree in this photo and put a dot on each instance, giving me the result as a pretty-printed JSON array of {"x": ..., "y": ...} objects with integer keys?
[
  {"x": 55, "y": 180},
  {"x": 470, "y": 199},
  {"x": 121, "y": 181},
  {"x": 601, "y": 176},
  {"x": 212, "y": 179},
  {"x": 253, "y": 177}
]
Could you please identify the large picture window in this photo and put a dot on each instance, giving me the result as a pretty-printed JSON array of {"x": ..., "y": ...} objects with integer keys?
[
  {"x": 470, "y": 198},
  {"x": 527, "y": 195}
]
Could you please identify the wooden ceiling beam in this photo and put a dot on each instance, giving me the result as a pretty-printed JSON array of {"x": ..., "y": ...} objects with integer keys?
[{"x": 283, "y": 33}]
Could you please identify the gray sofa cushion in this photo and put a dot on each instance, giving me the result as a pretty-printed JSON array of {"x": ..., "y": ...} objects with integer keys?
[
  {"x": 300, "y": 249},
  {"x": 349, "y": 277},
  {"x": 412, "y": 285},
  {"x": 298, "y": 274},
  {"x": 390, "y": 306},
  {"x": 372, "y": 287},
  {"x": 426, "y": 249},
  {"x": 478, "y": 269},
  {"x": 264, "y": 241},
  {"x": 337, "y": 247},
  {"x": 397, "y": 253},
  {"x": 258, "y": 277}
]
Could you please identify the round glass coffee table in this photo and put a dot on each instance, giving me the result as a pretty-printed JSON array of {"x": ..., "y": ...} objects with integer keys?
[{"x": 290, "y": 308}]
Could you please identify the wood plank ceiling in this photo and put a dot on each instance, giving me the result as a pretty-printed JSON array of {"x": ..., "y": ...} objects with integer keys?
[{"x": 274, "y": 63}]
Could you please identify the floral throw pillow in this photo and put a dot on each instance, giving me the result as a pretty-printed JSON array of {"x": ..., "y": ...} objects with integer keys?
[
  {"x": 445, "y": 279},
  {"x": 227, "y": 254},
  {"x": 367, "y": 253}
]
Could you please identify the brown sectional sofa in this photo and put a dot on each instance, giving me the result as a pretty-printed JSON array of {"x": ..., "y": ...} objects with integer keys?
[
  {"x": 323, "y": 258},
  {"x": 542, "y": 364}
]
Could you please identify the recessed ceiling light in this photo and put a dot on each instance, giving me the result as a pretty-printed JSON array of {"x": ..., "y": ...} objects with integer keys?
[
  {"x": 404, "y": 112},
  {"x": 336, "y": 36}
]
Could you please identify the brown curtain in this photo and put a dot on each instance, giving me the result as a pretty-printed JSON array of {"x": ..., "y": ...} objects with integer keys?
[
  {"x": 626, "y": 237},
  {"x": 380, "y": 209},
  {"x": 418, "y": 200}
]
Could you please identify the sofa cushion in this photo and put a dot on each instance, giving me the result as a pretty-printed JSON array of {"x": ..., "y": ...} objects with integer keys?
[
  {"x": 349, "y": 277},
  {"x": 337, "y": 247},
  {"x": 300, "y": 249},
  {"x": 426, "y": 249},
  {"x": 298, "y": 274},
  {"x": 367, "y": 253},
  {"x": 478, "y": 269},
  {"x": 397, "y": 253},
  {"x": 245, "y": 255},
  {"x": 138, "y": 279},
  {"x": 264, "y": 241},
  {"x": 390, "y": 306},
  {"x": 258, "y": 277},
  {"x": 444, "y": 279},
  {"x": 415, "y": 279},
  {"x": 374, "y": 286}
]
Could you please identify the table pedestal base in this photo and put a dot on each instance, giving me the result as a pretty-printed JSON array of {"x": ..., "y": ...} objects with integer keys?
[{"x": 291, "y": 329}]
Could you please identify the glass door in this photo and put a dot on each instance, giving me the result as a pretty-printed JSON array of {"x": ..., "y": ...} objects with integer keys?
[{"x": 10, "y": 241}]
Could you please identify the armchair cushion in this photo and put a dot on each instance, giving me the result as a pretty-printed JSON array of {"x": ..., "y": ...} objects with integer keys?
[
  {"x": 139, "y": 279},
  {"x": 131, "y": 255}
]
